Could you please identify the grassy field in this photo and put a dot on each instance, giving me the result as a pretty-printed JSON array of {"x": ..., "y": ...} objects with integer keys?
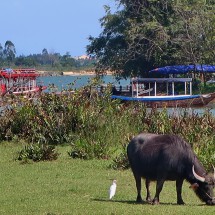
[{"x": 68, "y": 186}]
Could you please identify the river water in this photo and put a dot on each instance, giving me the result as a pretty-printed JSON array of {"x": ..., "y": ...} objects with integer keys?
[{"x": 64, "y": 82}]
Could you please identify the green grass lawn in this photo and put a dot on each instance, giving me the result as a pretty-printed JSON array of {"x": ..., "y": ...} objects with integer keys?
[{"x": 68, "y": 186}]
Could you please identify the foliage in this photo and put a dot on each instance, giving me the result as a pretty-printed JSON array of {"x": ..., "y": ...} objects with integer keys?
[
  {"x": 9, "y": 51},
  {"x": 142, "y": 35},
  {"x": 79, "y": 151},
  {"x": 5, "y": 124},
  {"x": 89, "y": 149},
  {"x": 48, "y": 61},
  {"x": 38, "y": 152},
  {"x": 120, "y": 162},
  {"x": 206, "y": 88},
  {"x": 98, "y": 127}
]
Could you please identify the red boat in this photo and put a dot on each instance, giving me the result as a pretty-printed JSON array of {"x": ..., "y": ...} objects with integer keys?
[{"x": 19, "y": 81}]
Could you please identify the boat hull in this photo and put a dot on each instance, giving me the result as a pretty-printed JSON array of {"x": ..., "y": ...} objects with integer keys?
[
  {"x": 32, "y": 91},
  {"x": 170, "y": 101}
]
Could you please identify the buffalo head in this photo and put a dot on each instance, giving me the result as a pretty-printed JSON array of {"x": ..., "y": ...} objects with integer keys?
[{"x": 204, "y": 187}]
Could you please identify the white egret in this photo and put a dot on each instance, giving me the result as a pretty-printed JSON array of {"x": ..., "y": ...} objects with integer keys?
[{"x": 112, "y": 190}]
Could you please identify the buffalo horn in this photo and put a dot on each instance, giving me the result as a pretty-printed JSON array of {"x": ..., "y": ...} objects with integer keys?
[{"x": 202, "y": 179}]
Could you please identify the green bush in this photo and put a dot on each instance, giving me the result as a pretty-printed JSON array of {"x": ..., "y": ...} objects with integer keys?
[
  {"x": 38, "y": 152},
  {"x": 84, "y": 149},
  {"x": 205, "y": 150},
  {"x": 79, "y": 150},
  {"x": 95, "y": 125},
  {"x": 120, "y": 162}
]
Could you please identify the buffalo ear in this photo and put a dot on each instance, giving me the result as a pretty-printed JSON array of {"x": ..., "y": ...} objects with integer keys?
[{"x": 194, "y": 186}]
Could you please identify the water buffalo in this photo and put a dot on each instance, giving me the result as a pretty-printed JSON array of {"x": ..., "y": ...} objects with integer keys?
[{"x": 168, "y": 157}]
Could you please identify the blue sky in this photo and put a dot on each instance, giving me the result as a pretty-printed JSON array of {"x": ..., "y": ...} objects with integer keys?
[{"x": 58, "y": 25}]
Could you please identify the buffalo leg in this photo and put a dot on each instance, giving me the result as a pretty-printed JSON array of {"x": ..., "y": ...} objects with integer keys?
[
  {"x": 148, "y": 197},
  {"x": 179, "y": 184},
  {"x": 159, "y": 187},
  {"x": 138, "y": 186}
]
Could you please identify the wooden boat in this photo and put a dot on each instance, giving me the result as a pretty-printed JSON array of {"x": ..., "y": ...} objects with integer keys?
[
  {"x": 19, "y": 82},
  {"x": 151, "y": 92}
]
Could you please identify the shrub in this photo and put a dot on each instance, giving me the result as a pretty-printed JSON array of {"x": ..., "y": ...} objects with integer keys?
[
  {"x": 120, "y": 162},
  {"x": 85, "y": 149},
  {"x": 204, "y": 149},
  {"x": 38, "y": 152},
  {"x": 95, "y": 125}
]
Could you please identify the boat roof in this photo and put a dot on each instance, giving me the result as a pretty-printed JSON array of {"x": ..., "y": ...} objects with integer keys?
[
  {"x": 184, "y": 69},
  {"x": 160, "y": 80},
  {"x": 17, "y": 73}
]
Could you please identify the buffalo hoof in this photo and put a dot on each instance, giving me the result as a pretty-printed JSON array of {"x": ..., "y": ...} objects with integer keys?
[
  {"x": 155, "y": 202},
  {"x": 181, "y": 202},
  {"x": 139, "y": 200},
  {"x": 149, "y": 200}
]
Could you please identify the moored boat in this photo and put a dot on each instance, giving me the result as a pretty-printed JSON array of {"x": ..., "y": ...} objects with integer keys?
[
  {"x": 19, "y": 82},
  {"x": 154, "y": 95}
]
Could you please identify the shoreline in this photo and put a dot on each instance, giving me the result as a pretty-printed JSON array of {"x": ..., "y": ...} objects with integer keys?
[
  {"x": 70, "y": 73},
  {"x": 81, "y": 73}
]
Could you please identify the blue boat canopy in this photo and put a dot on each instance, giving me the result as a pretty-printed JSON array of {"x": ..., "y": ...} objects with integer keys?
[
  {"x": 160, "y": 80},
  {"x": 183, "y": 69}
]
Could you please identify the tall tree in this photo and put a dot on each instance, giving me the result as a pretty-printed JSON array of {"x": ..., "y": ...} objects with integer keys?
[
  {"x": 9, "y": 51},
  {"x": 194, "y": 31},
  {"x": 148, "y": 33},
  {"x": 133, "y": 38},
  {"x": 45, "y": 52},
  {"x": 1, "y": 55},
  {"x": 45, "y": 56},
  {"x": 1, "y": 51}
]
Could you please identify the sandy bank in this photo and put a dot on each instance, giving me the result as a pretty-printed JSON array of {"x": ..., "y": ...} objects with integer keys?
[
  {"x": 71, "y": 73},
  {"x": 78, "y": 73}
]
